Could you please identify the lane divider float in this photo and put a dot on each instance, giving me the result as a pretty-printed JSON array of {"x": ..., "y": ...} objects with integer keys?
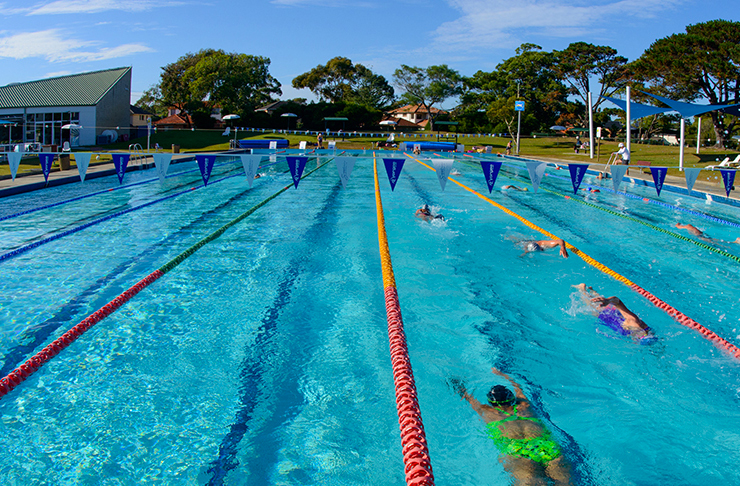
[{"x": 417, "y": 464}]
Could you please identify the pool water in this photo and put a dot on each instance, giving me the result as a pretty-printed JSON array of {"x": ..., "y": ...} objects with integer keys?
[{"x": 263, "y": 357}]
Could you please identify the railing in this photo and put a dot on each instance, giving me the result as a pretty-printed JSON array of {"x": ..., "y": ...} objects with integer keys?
[{"x": 137, "y": 156}]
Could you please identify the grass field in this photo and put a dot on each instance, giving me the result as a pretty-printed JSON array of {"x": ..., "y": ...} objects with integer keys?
[{"x": 552, "y": 148}]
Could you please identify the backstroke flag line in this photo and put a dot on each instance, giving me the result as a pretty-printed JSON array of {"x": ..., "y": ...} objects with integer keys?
[
  {"x": 344, "y": 167},
  {"x": 577, "y": 171},
  {"x": 728, "y": 177},
  {"x": 490, "y": 171},
  {"x": 296, "y": 165},
  {"x": 536, "y": 171},
  {"x": 251, "y": 163},
  {"x": 162, "y": 163},
  {"x": 120, "y": 161},
  {"x": 46, "y": 160},
  {"x": 14, "y": 159},
  {"x": 443, "y": 168},
  {"x": 658, "y": 177},
  {"x": 618, "y": 172},
  {"x": 205, "y": 164},
  {"x": 82, "y": 159},
  {"x": 691, "y": 176},
  {"x": 393, "y": 168}
]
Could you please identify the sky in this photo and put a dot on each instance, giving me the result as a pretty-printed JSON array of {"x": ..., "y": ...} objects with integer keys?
[{"x": 45, "y": 38}]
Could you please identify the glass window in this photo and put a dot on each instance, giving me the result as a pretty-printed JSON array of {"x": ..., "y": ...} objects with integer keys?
[
  {"x": 75, "y": 115},
  {"x": 30, "y": 118},
  {"x": 48, "y": 116},
  {"x": 57, "y": 117}
]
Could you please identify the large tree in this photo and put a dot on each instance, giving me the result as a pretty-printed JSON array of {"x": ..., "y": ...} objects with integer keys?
[
  {"x": 428, "y": 87},
  {"x": 703, "y": 63},
  {"x": 238, "y": 83},
  {"x": 341, "y": 81},
  {"x": 528, "y": 76},
  {"x": 580, "y": 62}
]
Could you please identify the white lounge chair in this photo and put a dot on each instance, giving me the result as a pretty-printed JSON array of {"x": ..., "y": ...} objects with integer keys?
[
  {"x": 227, "y": 132},
  {"x": 726, "y": 164},
  {"x": 66, "y": 147}
]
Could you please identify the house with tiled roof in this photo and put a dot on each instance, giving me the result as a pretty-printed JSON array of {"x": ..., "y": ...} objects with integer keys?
[
  {"x": 177, "y": 120},
  {"x": 96, "y": 101},
  {"x": 416, "y": 114}
]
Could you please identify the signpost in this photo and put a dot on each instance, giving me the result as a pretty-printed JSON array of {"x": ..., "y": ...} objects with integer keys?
[{"x": 519, "y": 108}]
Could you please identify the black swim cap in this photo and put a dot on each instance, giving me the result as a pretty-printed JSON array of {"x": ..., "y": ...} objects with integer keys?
[{"x": 500, "y": 395}]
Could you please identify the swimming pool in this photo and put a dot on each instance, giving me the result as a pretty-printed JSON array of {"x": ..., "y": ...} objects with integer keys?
[{"x": 263, "y": 357}]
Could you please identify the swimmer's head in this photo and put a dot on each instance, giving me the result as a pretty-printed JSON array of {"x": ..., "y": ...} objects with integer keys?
[
  {"x": 500, "y": 395},
  {"x": 533, "y": 246}
]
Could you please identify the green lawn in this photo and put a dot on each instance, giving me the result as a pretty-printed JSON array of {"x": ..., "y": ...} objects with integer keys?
[{"x": 558, "y": 148}]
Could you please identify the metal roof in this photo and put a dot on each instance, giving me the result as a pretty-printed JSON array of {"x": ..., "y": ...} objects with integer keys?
[{"x": 85, "y": 89}]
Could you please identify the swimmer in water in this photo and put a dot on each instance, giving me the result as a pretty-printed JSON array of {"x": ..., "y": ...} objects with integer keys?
[
  {"x": 693, "y": 230},
  {"x": 542, "y": 245},
  {"x": 526, "y": 447},
  {"x": 426, "y": 214},
  {"x": 614, "y": 313},
  {"x": 514, "y": 188}
]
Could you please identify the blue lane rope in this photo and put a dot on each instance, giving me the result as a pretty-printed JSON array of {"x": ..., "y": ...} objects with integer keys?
[{"x": 104, "y": 191}]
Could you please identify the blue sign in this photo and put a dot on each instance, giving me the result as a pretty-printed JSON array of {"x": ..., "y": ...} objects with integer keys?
[
  {"x": 659, "y": 177},
  {"x": 728, "y": 177},
  {"x": 205, "y": 164},
  {"x": 46, "y": 161},
  {"x": 120, "y": 162},
  {"x": 518, "y": 106}
]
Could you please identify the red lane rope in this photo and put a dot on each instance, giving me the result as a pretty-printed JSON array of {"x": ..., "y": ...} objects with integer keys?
[
  {"x": 19, "y": 375},
  {"x": 417, "y": 465}
]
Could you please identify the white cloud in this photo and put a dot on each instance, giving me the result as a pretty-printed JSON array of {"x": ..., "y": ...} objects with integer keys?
[
  {"x": 55, "y": 46},
  {"x": 97, "y": 6},
  {"x": 502, "y": 23},
  {"x": 323, "y": 3},
  {"x": 57, "y": 73}
]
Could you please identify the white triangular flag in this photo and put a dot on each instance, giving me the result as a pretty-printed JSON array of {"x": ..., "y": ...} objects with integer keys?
[
  {"x": 443, "y": 168},
  {"x": 251, "y": 163},
  {"x": 14, "y": 159},
  {"x": 618, "y": 172},
  {"x": 344, "y": 167},
  {"x": 536, "y": 171},
  {"x": 82, "y": 159},
  {"x": 691, "y": 176},
  {"x": 162, "y": 163}
]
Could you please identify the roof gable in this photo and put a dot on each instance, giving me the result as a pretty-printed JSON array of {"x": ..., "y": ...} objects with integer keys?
[{"x": 85, "y": 89}]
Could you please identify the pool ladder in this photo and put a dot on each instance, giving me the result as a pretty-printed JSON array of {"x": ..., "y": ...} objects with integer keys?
[{"x": 138, "y": 156}]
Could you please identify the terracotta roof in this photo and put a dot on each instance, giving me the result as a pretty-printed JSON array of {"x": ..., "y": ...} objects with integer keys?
[
  {"x": 401, "y": 122},
  {"x": 178, "y": 119},
  {"x": 415, "y": 109}
]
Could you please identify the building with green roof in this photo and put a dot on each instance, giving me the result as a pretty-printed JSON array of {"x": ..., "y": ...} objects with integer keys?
[{"x": 96, "y": 101}]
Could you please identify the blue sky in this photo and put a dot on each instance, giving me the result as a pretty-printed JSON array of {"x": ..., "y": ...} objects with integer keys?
[{"x": 42, "y": 38}]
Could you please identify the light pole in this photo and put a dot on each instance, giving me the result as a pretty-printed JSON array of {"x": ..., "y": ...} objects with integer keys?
[{"x": 519, "y": 107}]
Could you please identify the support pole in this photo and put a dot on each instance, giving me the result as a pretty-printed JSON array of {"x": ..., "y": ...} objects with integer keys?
[
  {"x": 698, "y": 136},
  {"x": 680, "y": 152},
  {"x": 629, "y": 123},
  {"x": 590, "y": 127}
]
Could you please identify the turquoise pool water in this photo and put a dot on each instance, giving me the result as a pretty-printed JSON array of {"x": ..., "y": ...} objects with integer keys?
[{"x": 263, "y": 358}]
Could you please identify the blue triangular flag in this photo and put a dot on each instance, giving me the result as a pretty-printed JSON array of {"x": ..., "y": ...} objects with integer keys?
[
  {"x": 577, "y": 171},
  {"x": 205, "y": 164},
  {"x": 46, "y": 161},
  {"x": 120, "y": 161},
  {"x": 393, "y": 168},
  {"x": 691, "y": 175},
  {"x": 658, "y": 177},
  {"x": 296, "y": 165},
  {"x": 728, "y": 177},
  {"x": 490, "y": 170}
]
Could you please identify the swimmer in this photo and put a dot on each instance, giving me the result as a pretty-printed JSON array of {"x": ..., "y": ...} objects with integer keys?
[
  {"x": 514, "y": 188},
  {"x": 693, "y": 230},
  {"x": 426, "y": 214},
  {"x": 527, "y": 449},
  {"x": 542, "y": 245},
  {"x": 613, "y": 312}
]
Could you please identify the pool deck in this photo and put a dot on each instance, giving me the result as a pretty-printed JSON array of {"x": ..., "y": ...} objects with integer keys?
[{"x": 35, "y": 180}]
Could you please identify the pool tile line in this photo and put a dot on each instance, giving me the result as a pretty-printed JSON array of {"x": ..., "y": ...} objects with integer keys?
[
  {"x": 21, "y": 373},
  {"x": 417, "y": 464},
  {"x": 680, "y": 317}
]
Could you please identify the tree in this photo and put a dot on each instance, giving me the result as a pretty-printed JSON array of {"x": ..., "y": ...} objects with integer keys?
[
  {"x": 151, "y": 101},
  {"x": 702, "y": 63},
  {"x": 428, "y": 87},
  {"x": 528, "y": 76},
  {"x": 580, "y": 61},
  {"x": 340, "y": 80},
  {"x": 238, "y": 83}
]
